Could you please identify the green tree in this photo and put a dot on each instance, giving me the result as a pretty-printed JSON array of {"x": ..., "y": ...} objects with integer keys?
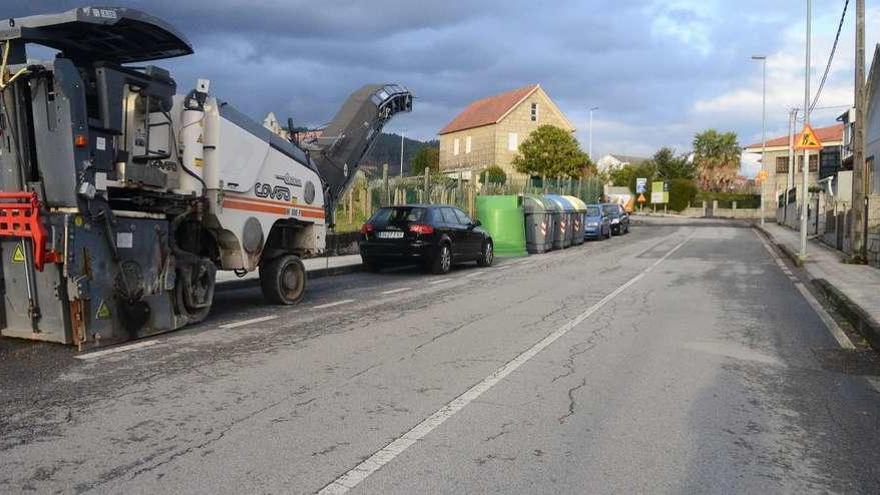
[
  {"x": 551, "y": 151},
  {"x": 493, "y": 175},
  {"x": 717, "y": 159},
  {"x": 426, "y": 158},
  {"x": 627, "y": 175},
  {"x": 672, "y": 166},
  {"x": 681, "y": 192}
]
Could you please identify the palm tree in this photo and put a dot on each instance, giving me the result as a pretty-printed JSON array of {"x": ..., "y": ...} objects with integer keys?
[{"x": 717, "y": 159}]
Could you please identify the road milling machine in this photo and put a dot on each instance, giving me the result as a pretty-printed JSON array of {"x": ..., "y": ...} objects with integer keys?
[{"x": 120, "y": 198}]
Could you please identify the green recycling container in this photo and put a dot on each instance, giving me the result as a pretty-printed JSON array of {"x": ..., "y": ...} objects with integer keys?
[{"x": 502, "y": 217}]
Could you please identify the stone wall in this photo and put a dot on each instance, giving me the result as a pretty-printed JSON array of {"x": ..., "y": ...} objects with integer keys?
[
  {"x": 520, "y": 121},
  {"x": 481, "y": 155}
]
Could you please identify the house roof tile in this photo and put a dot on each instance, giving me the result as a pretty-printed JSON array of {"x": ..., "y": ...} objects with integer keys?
[
  {"x": 831, "y": 133},
  {"x": 487, "y": 110}
]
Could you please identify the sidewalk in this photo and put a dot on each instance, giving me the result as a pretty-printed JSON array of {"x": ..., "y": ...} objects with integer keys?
[
  {"x": 315, "y": 267},
  {"x": 853, "y": 289}
]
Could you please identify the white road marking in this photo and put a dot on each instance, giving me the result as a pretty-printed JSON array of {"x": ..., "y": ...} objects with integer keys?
[
  {"x": 395, "y": 291},
  {"x": 473, "y": 274},
  {"x": 330, "y": 305},
  {"x": 832, "y": 326},
  {"x": 242, "y": 323},
  {"x": 115, "y": 350},
  {"x": 386, "y": 454},
  {"x": 442, "y": 280}
]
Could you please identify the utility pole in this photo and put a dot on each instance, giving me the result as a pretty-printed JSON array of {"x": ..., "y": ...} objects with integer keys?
[
  {"x": 860, "y": 175},
  {"x": 806, "y": 170},
  {"x": 763, "y": 59},
  {"x": 789, "y": 175},
  {"x": 590, "y": 153},
  {"x": 401, "y": 152},
  {"x": 792, "y": 128}
]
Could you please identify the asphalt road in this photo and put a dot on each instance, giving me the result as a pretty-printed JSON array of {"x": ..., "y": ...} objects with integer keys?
[{"x": 678, "y": 358}]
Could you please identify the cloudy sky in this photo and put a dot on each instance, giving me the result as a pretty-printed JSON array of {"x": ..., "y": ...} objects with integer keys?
[{"x": 660, "y": 70}]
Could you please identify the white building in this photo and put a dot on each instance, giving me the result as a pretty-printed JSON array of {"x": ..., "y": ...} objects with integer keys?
[{"x": 614, "y": 161}]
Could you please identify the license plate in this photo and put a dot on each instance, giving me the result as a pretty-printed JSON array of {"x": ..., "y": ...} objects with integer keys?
[{"x": 390, "y": 235}]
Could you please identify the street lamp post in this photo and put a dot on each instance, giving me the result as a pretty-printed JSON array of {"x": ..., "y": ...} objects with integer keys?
[
  {"x": 763, "y": 59},
  {"x": 591, "y": 132}
]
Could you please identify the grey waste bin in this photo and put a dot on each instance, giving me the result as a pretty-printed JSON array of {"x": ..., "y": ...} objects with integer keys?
[
  {"x": 539, "y": 223},
  {"x": 578, "y": 224},
  {"x": 561, "y": 221}
]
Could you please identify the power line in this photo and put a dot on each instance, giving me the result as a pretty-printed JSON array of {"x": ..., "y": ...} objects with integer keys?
[{"x": 830, "y": 57}]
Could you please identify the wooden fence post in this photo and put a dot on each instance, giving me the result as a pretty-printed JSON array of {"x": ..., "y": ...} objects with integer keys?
[
  {"x": 350, "y": 205},
  {"x": 368, "y": 204},
  {"x": 385, "y": 185},
  {"x": 427, "y": 186}
]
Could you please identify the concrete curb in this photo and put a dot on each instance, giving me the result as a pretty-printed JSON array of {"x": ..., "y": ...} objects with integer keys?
[
  {"x": 861, "y": 321},
  {"x": 791, "y": 255},
  {"x": 312, "y": 275}
]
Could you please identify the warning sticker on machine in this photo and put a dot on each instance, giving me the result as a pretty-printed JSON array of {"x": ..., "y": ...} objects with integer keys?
[
  {"x": 18, "y": 254},
  {"x": 124, "y": 239},
  {"x": 103, "y": 312},
  {"x": 101, "y": 143}
]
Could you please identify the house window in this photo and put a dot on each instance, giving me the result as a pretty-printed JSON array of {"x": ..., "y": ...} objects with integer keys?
[
  {"x": 512, "y": 143},
  {"x": 467, "y": 144},
  {"x": 814, "y": 163},
  {"x": 781, "y": 164},
  {"x": 829, "y": 161},
  {"x": 455, "y": 146},
  {"x": 534, "y": 112}
]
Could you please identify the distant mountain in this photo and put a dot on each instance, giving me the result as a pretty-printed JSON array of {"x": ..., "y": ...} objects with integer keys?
[{"x": 387, "y": 150}]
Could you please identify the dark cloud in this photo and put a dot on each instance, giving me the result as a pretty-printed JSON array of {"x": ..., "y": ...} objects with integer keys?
[{"x": 644, "y": 62}]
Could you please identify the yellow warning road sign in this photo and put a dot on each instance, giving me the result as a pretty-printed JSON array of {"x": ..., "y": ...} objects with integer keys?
[
  {"x": 641, "y": 198},
  {"x": 18, "y": 254},
  {"x": 807, "y": 140},
  {"x": 103, "y": 311}
]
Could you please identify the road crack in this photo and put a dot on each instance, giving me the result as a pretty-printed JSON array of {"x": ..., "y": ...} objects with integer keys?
[{"x": 572, "y": 404}]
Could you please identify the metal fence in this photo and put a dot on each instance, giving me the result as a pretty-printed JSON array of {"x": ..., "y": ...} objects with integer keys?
[{"x": 366, "y": 196}]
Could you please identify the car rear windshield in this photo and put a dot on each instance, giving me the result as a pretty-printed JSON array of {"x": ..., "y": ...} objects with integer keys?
[
  {"x": 611, "y": 210},
  {"x": 593, "y": 211},
  {"x": 398, "y": 214}
]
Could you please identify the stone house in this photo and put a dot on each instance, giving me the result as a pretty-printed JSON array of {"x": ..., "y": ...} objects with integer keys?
[
  {"x": 489, "y": 131},
  {"x": 781, "y": 176}
]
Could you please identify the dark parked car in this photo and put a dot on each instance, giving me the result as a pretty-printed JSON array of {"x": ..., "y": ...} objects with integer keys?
[
  {"x": 597, "y": 224},
  {"x": 434, "y": 235},
  {"x": 619, "y": 218}
]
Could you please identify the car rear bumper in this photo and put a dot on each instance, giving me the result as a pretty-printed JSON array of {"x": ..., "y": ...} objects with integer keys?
[{"x": 402, "y": 252}]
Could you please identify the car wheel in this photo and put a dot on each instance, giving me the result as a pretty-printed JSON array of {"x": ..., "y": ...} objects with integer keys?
[
  {"x": 487, "y": 255},
  {"x": 442, "y": 263},
  {"x": 608, "y": 235},
  {"x": 283, "y": 280}
]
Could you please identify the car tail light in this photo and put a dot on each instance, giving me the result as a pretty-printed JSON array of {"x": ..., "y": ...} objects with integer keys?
[
  {"x": 366, "y": 228},
  {"x": 421, "y": 228}
]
